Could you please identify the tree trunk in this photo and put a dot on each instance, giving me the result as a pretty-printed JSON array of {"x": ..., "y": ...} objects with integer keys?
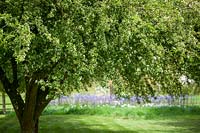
[
  {"x": 36, "y": 125},
  {"x": 29, "y": 126},
  {"x": 29, "y": 110},
  {"x": 35, "y": 102}
]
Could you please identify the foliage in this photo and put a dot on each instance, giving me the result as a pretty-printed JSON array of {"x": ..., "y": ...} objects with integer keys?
[
  {"x": 192, "y": 19},
  {"x": 159, "y": 49},
  {"x": 134, "y": 40}
]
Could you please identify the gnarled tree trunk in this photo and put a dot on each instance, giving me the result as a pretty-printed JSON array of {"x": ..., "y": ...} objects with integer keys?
[
  {"x": 29, "y": 110},
  {"x": 29, "y": 114},
  {"x": 29, "y": 126},
  {"x": 35, "y": 102}
]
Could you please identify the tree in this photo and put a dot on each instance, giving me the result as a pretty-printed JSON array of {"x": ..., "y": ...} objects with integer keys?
[
  {"x": 191, "y": 15},
  {"x": 151, "y": 55},
  {"x": 50, "y": 47}
]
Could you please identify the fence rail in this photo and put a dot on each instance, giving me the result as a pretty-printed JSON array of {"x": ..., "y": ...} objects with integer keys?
[
  {"x": 5, "y": 104},
  {"x": 112, "y": 100}
]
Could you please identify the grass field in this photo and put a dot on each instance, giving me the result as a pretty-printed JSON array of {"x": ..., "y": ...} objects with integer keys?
[
  {"x": 126, "y": 112},
  {"x": 114, "y": 119},
  {"x": 102, "y": 119},
  {"x": 100, "y": 124}
]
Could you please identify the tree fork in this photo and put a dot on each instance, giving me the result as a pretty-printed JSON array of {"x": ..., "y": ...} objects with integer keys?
[
  {"x": 42, "y": 101},
  {"x": 35, "y": 102}
]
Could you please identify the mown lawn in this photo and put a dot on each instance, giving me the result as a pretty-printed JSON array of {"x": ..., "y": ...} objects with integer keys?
[{"x": 103, "y": 124}]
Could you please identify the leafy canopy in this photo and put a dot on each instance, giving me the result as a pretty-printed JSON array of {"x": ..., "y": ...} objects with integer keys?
[{"x": 64, "y": 45}]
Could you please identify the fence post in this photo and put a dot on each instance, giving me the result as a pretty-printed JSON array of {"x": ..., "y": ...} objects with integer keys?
[
  {"x": 59, "y": 100},
  {"x": 110, "y": 86},
  {"x": 3, "y": 103}
]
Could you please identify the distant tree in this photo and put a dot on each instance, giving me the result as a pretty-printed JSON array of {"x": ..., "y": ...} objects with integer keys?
[
  {"x": 191, "y": 14},
  {"x": 51, "y": 47},
  {"x": 162, "y": 46}
]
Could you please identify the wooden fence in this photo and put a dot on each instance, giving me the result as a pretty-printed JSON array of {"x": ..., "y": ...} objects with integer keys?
[{"x": 5, "y": 104}]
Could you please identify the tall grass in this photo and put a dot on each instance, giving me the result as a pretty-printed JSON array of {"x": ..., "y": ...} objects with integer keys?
[{"x": 128, "y": 112}]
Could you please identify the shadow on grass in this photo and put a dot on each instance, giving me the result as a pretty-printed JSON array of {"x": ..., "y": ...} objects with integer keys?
[
  {"x": 100, "y": 124},
  {"x": 63, "y": 124},
  {"x": 85, "y": 130},
  {"x": 185, "y": 125},
  {"x": 9, "y": 124},
  {"x": 81, "y": 124}
]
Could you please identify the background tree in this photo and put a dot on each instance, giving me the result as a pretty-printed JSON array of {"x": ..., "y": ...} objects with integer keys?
[
  {"x": 151, "y": 50},
  {"x": 50, "y": 47},
  {"x": 191, "y": 15}
]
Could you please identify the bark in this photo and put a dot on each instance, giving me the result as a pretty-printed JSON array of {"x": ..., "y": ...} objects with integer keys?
[
  {"x": 11, "y": 90},
  {"x": 28, "y": 123},
  {"x": 30, "y": 127},
  {"x": 35, "y": 102},
  {"x": 36, "y": 125}
]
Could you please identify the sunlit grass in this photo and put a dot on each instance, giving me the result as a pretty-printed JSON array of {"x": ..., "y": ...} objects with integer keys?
[
  {"x": 87, "y": 124},
  {"x": 118, "y": 119},
  {"x": 60, "y": 119},
  {"x": 126, "y": 112}
]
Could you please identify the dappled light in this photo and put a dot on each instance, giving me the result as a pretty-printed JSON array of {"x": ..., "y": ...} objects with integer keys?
[{"x": 101, "y": 124}]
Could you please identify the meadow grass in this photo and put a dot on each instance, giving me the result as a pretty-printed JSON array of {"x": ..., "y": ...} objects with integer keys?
[
  {"x": 103, "y": 124},
  {"x": 126, "y": 112},
  {"x": 103, "y": 119},
  {"x": 106, "y": 118}
]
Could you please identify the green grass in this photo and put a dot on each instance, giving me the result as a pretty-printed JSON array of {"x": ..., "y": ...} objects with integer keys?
[
  {"x": 86, "y": 119},
  {"x": 126, "y": 112},
  {"x": 103, "y": 119},
  {"x": 102, "y": 124}
]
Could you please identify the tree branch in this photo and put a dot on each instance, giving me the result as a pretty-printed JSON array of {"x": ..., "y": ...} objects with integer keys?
[
  {"x": 4, "y": 79},
  {"x": 14, "y": 70},
  {"x": 30, "y": 101},
  {"x": 22, "y": 10},
  {"x": 59, "y": 8},
  {"x": 11, "y": 90},
  {"x": 42, "y": 101}
]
